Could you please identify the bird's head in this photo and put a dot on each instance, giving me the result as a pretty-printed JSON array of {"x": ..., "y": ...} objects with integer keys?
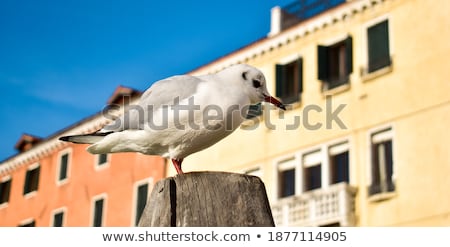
[{"x": 254, "y": 84}]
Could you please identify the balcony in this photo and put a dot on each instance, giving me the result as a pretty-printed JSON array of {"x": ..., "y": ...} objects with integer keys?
[
  {"x": 332, "y": 206},
  {"x": 298, "y": 11}
]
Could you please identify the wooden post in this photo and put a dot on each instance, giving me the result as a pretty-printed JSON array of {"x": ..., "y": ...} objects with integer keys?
[{"x": 208, "y": 199}]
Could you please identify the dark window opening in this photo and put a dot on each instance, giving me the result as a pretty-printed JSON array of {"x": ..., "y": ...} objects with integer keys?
[
  {"x": 58, "y": 219},
  {"x": 289, "y": 80},
  {"x": 31, "y": 180},
  {"x": 102, "y": 159},
  {"x": 64, "y": 163},
  {"x": 339, "y": 166},
  {"x": 335, "y": 63},
  {"x": 142, "y": 195},
  {"x": 382, "y": 168},
  {"x": 5, "y": 190},
  {"x": 286, "y": 182},
  {"x": 98, "y": 212},
  {"x": 336, "y": 224},
  {"x": 30, "y": 224},
  {"x": 313, "y": 177}
]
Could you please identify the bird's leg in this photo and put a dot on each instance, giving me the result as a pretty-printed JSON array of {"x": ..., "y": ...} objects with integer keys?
[{"x": 177, "y": 165}]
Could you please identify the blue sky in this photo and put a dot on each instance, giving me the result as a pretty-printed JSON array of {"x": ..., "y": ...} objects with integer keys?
[{"x": 61, "y": 60}]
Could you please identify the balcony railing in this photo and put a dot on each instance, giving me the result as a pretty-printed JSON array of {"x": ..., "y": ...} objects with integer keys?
[
  {"x": 334, "y": 205},
  {"x": 301, "y": 10}
]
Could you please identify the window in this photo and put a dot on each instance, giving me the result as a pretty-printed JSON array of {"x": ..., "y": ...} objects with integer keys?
[
  {"x": 58, "y": 218},
  {"x": 97, "y": 216},
  {"x": 289, "y": 80},
  {"x": 63, "y": 167},
  {"x": 382, "y": 165},
  {"x": 378, "y": 46},
  {"x": 254, "y": 111},
  {"x": 141, "y": 201},
  {"x": 339, "y": 163},
  {"x": 28, "y": 223},
  {"x": 321, "y": 167},
  {"x": 102, "y": 159},
  {"x": 31, "y": 180},
  {"x": 313, "y": 176},
  {"x": 312, "y": 171},
  {"x": 339, "y": 168},
  {"x": 335, "y": 63},
  {"x": 286, "y": 178},
  {"x": 287, "y": 182},
  {"x": 5, "y": 189}
]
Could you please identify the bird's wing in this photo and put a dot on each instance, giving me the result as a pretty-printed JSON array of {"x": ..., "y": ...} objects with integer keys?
[{"x": 161, "y": 93}]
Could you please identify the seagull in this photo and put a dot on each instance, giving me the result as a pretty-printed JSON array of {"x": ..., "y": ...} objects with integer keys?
[{"x": 182, "y": 115}]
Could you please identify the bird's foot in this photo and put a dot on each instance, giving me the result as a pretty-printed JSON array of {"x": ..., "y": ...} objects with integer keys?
[{"x": 177, "y": 164}]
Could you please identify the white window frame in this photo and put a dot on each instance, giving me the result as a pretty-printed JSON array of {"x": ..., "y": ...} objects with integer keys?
[
  {"x": 323, "y": 156},
  {"x": 105, "y": 165},
  {"x": 289, "y": 59},
  {"x": 57, "y": 211},
  {"x": 149, "y": 182},
  {"x": 103, "y": 196},
  {"x": 374, "y": 136},
  {"x": 336, "y": 148},
  {"x": 67, "y": 151},
  {"x": 330, "y": 42},
  {"x": 278, "y": 166},
  {"x": 27, "y": 221},
  {"x": 285, "y": 61},
  {"x": 314, "y": 157}
]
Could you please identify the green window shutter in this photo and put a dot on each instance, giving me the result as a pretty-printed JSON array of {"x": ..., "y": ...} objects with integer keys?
[
  {"x": 280, "y": 79},
  {"x": 98, "y": 213},
  {"x": 63, "y": 166},
  {"x": 378, "y": 46},
  {"x": 5, "y": 189},
  {"x": 26, "y": 187},
  {"x": 300, "y": 74},
  {"x": 142, "y": 196},
  {"x": 35, "y": 179},
  {"x": 31, "y": 180},
  {"x": 254, "y": 111},
  {"x": 322, "y": 56},
  {"x": 349, "y": 55}
]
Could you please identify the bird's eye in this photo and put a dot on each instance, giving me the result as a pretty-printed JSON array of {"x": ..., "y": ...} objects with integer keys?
[
  {"x": 244, "y": 75},
  {"x": 256, "y": 83}
]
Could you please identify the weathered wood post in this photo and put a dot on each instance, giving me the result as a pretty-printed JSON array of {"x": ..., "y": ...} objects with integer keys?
[{"x": 208, "y": 199}]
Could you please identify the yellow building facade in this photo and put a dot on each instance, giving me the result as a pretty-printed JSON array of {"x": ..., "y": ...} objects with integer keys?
[{"x": 365, "y": 140}]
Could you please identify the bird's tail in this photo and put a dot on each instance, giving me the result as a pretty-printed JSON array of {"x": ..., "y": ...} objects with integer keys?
[{"x": 86, "y": 138}]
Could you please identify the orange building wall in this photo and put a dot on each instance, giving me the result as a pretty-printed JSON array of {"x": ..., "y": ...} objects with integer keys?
[{"x": 116, "y": 180}]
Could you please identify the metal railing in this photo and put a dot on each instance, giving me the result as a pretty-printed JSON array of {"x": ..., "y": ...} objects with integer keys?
[{"x": 301, "y": 10}]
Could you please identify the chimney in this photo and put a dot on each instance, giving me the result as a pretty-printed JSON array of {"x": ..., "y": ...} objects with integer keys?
[
  {"x": 122, "y": 95},
  {"x": 26, "y": 142},
  {"x": 275, "y": 21}
]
